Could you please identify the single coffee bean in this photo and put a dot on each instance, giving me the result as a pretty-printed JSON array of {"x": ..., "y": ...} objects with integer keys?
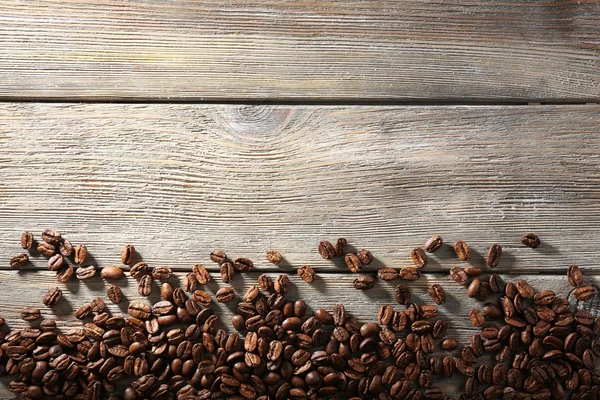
[
  {"x": 202, "y": 297},
  {"x": 52, "y": 297},
  {"x": 64, "y": 274},
  {"x": 139, "y": 270},
  {"x": 531, "y": 240},
  {"x": 409, "y": 273},
  {"x": 402, "y": 294},
  {"x": 387, "y": 274},
  {"x": 56, "y": 262},
  {"x": 525, "y": 289},
  {"x": 364, "y": 282},
  {"x": 473, "y": 272},
  {"x": 128, "y": 254},
  {"x": 428, "y": 311},
  {"x": 339, "y": 314},
  {"x": 492, "y": 311},
  {"x": 365, "y": 256},
  {"x": 476, "y": 317},
  {"x": 462, "y": 250},
  {"x": 190, "y": 283},
  {"x": 265, "y": 282},
  {"x": 341, "y": 247},
  {"x": 484, "y": 291},
  {"x": 274, "y": 257},
  {"x": 19, "y": 260},
  {"x": 139, "y": 310},
  {"x": 458, "y": 275},
  {"x": 493, "y": 257},
  {"x": 30, "y": 314},
  {"x": 243, "y": 264},
  {"x": 583, "y": 293},
  {"x": 574, "y": 276},
  {"x": 114, "y": 294},
  {"x": 85, "y": 311},
  {"x": 162, "y": 273},
  {"x": 434, "y": 244},
  {"x": 450, "y": 344},
  {"x": 111, "y": 272},
  {"x": 83, "y": 273},
  {"x": 306, "y": 273},
  {"x": 201, "y": 274},
  {"x": 419, "y": 257},
  {"x": 46, "y": 249},
  {"x": 227, "y": 272},
  {"x": 473, "y": 288},
  {"x": 80, "y": 254},
  {"x": 51, "y": 236},
  {"x": 326, "y": 249},
  {"x": 282, "y": 284},
  {"x": 497, "y": 284},
  {"x": 66, "y": 248},
  {"x": 27, "y": 240},
  {"x": 511, "y": 290},
  {"x": 225, "y": 295},
  {"x": 437, "y": 293},
  {"x": 353, "y": 262},
  {"x": 218, "y": 256}
]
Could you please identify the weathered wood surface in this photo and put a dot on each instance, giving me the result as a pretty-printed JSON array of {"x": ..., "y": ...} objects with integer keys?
[
  {"x": 324, "y": 292},
  {"x": 180, "y": 180},
  {"x": 341, "y": 50}
]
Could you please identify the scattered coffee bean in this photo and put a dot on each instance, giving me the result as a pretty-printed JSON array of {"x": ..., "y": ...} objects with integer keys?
[
  {"x": 365, "y": 257},
  {"x": 353, "y": 262},
  {"x": 218, "y": 256},
  {"x": 80, "y": 254},
  {"x": 19, "y": 260},
  {"x": 128, "y": 254},
  {"x": 265, "y": 282},
  {"x": 52, "y": 297},
  {"x": 46, "y": 249},
  {"x": 56, "y": 262},
  {"x": 409, "y": 273},
  {"x": 66, "y": 248},
  {"x": 341, "y": 247},
  {"x": 437, "y": 293},
  {"x": 326, "y": 249},
  {"x": 402, "y": 294},
  {"x": 583, "y": 293},
  {"x": 458, "y": 275},
  {"x": 162, "y": 273},
  {"x": 111, "y": 272},
  {"x": 462, "y": 250},
  {"x": 51, "y": 236},
  {"x": 530, "y": 240},
  {"x": 363, "y": 282},
  {"x": 114, "y": 294},
  {"x": 225, "y": 295},
  {"x": 476, "y": 317},
  {"x": 30, "y": 314},
  {"x": 201, "y": 274},
  {"x": 434, "y": 244},
  {"x": 419, "y": 257},
  {"x": 282, "y": 284},
  {"x": 493, "y": 257},
  {"x": 85, "y": 272},
  {"x": 27, "y": 240},
  {"x": 227, "y": 272},
  {"x": 306, "y": 273},
  {"x": 574, "y": 276},
  {"x": 242, "y": 264},
  {"x": 274, "y": 257},
  {"x": 388, "y": 274}
]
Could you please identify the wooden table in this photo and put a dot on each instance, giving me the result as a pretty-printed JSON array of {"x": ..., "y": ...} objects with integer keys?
[{"x": 183, "y": 126}]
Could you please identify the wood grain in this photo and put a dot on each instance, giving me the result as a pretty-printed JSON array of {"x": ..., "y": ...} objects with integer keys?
[
  {"x": 178, "y": 181},
  {"x": 355, "y": 50},
  {"x": 324, "y": 292}
]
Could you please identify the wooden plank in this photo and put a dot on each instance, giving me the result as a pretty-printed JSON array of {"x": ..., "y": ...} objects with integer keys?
[
  {"x": 324, "y": 292},
  {"x": 181, "y": 180},
  {"x": 352, "y": 50}
]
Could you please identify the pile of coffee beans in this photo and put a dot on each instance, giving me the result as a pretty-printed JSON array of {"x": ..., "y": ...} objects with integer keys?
[{"x": 530, "y": 344}]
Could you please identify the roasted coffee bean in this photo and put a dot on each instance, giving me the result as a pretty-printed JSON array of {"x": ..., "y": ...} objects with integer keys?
[
  {"x": 64, "y": 274},
  {"x": 473, "y": 272},
  {"x": 365, "y": 256},
  {"x": 419, "y": 257},
  {"x": 341, "y": 247},
  {"x": 27, "y": 240},
  {"x": 473, "y": 288},
  {"x": 387, "y": 274},
  {"x": 326, "y": 249},
  {"x": 225, "y": 295},
  {"x": 162, "y": 273},
  {"x": 409, "y": 273},
  {"x": 306, "y": 273},
  {"x": 402, "y": 294},
  {"x": 80, "y": 254},
  {"x": 218, "y": 256},
  {"x": 85, "y": 272},
  {"x": 52, "y": 297},
  {"x": 353, "y": 262},
  {"x": 363, "y": 282},
  {"x": 66, "y": 248},
  {"x": 476, "y": 317},
  {"x": 46, "y": 249},
  {"x": 274, "y": 257},
  {"x": 525, "y": 289},
  {"x": 30, "y": 314},
  {"x": 531, "y": 240},
  {"x": 128, "y": 254},
  {"x": 583, "y": 293},
  {"x": 242, "y": 265},
  {"x": 139, "y": 310},
  {"x": 458, "y": 275},
  {"x": 450, "y": 344},
  {"x": 574, "y": 276},
  {"x": 19, "y": 260},
  {"x": 434, "y": 244},
  {"x": 282, "y": 284},
  {"x": 145, "y": 286},
  {"x": 462, "y": 250},
  {"x": 114, "y": 294},
  {"x": 497, "y": 284},
  {"x": 494, "y": 254},
  {"x": 111, "y": 272},
  {"x": 51, "y": 236},
  {"x": 437, "y": 293}
]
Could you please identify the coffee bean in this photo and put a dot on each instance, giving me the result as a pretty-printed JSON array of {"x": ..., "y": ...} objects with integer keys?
[
  {"x": 19, "y": 260},
  {"x": 306, "y": 273},
  {"x": 476, "y": 317},
  {"x": 85, "y": 272},
  {"x": 202, "y": 297},
  {"x": 462, "y": 250},
  {"x": 218, "y": 256},
  {"x": 27, "y": 240},
  {"x": 242, "y": 265},
  {"x": 402, "y": 294},
  {"x": 450, "y": 344},
  {"x": 473, "y": 288},
  {"x": 409, "y": 273},
  {"x": 574, "y": 276},
  {"x": 458, "y": 275},
  {"x": 434, "y": 244},
  {"x": 227, "y": 272},
  {"x": 497, "y": 284},
  {"x": 52, "y": 297},
  {"x": 46, "y": 249},
  {"x": 51, "y": 236},
  {"x": 128, "y": 254},
  {"x": 274, "y": 257},
  {"x": 282, "y": 284},
  {"x": 437, "y": 293},
  {"x": 30, "y": 314},
  {"x": 419, "y": 257},
  {"x": 114, "y": 294},
  {"x": 365, "y": 256},
  {"x": 493, "y": 257},
  {"x": 387, "y": 274},
  {"x": 530, "y": 240},
  {"x": 525, "y": 289},
  {"x": 139, "y": 310},
  {"x": 363, "y": 282},
  {"x": 162, "y": 273},
  {"x": 583, "y": 293},
  {"x": 111, "y": 272},
  {"x": 83, "y": 312},
  {"x": 473, "y": 272},
  {"x": 56, "y": 262},
  {"x": 353, "y": 262},
  {"x": 326, "y": 249},
  {"x": 225, "y": 295},
  {"x": 341, "y": 247},
  {"x": 64, "y": 274},
  {"x": 66, "y": 248},
  {"x": 80, "y": 254}
]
